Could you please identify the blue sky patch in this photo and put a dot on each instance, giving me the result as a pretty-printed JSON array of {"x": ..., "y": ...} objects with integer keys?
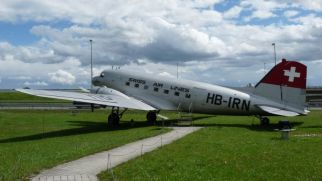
[{"x": 17, "y": 34}]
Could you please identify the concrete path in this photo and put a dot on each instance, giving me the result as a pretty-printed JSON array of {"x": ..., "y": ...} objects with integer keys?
[{"x": 86, "y": 168}]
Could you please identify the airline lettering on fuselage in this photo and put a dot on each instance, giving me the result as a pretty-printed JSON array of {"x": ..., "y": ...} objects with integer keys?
[
  {"x": 232, "y": 102},
  {"x": 181, "y": 89},
  {"x": 156, "y": 84},
  {"x": 137, "y": 81}
]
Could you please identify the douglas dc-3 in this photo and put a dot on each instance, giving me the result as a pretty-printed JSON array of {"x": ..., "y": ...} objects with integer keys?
[{"x": 280, "y": 92}]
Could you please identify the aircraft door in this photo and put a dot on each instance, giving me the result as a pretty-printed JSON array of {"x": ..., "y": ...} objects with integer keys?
[{"x": 198, "y": 99}]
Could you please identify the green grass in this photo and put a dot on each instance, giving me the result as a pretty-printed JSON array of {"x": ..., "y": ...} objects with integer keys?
[
  {"x": 21, "y": 97},
  {"x": 233, "y": 148},
  {"x": 33, "y": 140}
]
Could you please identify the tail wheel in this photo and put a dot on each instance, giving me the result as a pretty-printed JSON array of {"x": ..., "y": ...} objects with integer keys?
[
  {"x": 113, "y": 120},
  {"x": 151, "y": 117}
]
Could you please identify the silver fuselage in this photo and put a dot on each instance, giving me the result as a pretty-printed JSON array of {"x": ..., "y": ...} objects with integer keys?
[{"x": 165, "y": 93}]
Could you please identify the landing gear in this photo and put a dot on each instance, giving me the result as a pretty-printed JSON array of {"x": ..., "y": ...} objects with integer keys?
[
  {"x": 151, "y": 117},
  {"x": 113, "y": 120},
  {"x": 114, "y": 117},
  {"x": 264, "y": 121}
]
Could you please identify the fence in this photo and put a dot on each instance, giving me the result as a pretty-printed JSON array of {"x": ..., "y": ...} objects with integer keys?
[{"x": 139, "y": 151}]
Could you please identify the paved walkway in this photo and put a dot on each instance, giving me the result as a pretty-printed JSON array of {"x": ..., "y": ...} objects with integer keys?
[{"x": 86, "y": 168}]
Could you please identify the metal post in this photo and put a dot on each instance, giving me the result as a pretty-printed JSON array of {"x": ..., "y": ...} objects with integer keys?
[
  {"x": 177, "y": 70},
  {"x": 91, "y": 42},
  {"x": 141, "y": 149},
  {"x": 108, "y": 161},
  {"x": 43, "y": 127},
  {"x": 273, "y": 44},
  {"x": 264, "y": 68}
]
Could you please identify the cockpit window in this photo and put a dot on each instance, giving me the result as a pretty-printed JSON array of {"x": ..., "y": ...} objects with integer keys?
[{"x": 102, "y": 74}]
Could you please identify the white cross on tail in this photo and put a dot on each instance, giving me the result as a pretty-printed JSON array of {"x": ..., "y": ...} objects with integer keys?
[{"x": 291, "y": 74}]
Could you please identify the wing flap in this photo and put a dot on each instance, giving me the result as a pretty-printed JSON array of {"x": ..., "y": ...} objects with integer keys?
[{"x": 102, "y": 99}]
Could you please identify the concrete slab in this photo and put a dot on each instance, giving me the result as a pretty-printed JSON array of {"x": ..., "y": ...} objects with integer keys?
[{"x": 86, "y": 168}]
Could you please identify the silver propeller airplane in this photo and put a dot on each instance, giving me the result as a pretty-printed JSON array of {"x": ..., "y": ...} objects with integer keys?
[{"x": 280, "y": 92}]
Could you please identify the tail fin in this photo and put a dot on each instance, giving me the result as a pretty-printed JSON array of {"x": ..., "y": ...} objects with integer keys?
[{"x": 285, "y": 83}]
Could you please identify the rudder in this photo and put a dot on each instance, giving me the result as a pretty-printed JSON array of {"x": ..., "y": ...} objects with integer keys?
[{"x": 286, "y": 83}]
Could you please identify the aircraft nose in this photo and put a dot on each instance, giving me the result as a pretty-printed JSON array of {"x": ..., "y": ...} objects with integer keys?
[{"x": 97, "y": 81}]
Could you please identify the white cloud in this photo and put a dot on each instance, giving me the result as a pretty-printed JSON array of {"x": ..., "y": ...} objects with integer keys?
[
  {"x": 167, "y": 74},
  {"x": 311, "y": 5},
  {"x": 262, "y": 9},
  {"x": 37, "y": 83},
  {"x": 290, "y": 13},
  {"x": 155, "y": 35},
  {"x": 21, "y": 77},
  {"x": 62, "y": 77},
  {"x": 233, "y": 12}
]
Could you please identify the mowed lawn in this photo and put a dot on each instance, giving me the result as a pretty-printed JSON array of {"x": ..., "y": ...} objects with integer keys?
[
  {"x": 233, "y": 148},
  {"x": 12, "y": 97},
  {"x": 32, "y": 140}
]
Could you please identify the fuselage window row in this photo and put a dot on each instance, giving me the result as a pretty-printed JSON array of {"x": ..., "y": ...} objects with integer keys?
[{"x": 156, "y": 89}]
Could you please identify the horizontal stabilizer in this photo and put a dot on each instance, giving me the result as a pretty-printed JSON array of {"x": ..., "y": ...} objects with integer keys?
[
  {"x": 162, "y": 117},
  {"x": 278, "y": 111},
  {"x": 84, "y": 90}
]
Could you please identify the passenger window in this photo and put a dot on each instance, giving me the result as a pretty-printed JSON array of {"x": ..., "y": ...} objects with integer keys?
[
  {"x": 136, "y": 85},
  {"x": 188, "y": 95},
  {"x": 176, "y": 93},
  {"x": 156, "y": 89},
  {"x": 146, "y": 87},
  {"x": 166, "y": 91},
  {"x": 127, "y": 83}
]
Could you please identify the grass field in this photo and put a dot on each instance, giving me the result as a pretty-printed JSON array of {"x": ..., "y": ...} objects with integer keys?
[
  {"x": 233, "y": 148},
  {"x": 21, "y": 97},
  {"x": 33, "y": 140}
]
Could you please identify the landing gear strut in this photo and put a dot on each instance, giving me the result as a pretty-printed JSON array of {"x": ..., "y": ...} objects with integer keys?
[
  {"x": 264, "y": 121},
  {"x": 151, "y": 117},
  {"x": 114, "y": 117}
]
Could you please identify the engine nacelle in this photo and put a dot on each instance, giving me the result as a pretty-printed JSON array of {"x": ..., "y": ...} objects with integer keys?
[{"x": 108, "y": 91}]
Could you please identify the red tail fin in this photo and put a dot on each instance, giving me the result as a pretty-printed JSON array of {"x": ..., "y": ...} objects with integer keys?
[
  {"x": 287, "y": 73},
  {"x": 285, "y": 83}
]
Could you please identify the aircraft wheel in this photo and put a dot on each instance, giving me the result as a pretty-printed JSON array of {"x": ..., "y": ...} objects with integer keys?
[
  {"x": 113, "y": 120},
  {"x": 264, "y": 121},
  {"x": 151, "y": 117}
]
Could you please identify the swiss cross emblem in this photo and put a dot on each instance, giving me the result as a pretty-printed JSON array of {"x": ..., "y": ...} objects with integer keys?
[{"x": 291, "y": 74}]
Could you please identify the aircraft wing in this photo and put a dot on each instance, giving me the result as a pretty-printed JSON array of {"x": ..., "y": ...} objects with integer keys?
[{"x": 102, "y": 99}]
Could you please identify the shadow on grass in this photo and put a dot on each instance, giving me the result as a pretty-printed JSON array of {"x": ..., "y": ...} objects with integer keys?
[
  {"x": 81, "y": 127},
  {"x": 85, "y": 127},
  {"x": 175, "y": 122},
  {"x": 253, "y": 127},
  {"x": 312, "y": 126}
]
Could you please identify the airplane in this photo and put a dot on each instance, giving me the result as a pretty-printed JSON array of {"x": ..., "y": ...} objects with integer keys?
[{"x": 282, "y": 91}]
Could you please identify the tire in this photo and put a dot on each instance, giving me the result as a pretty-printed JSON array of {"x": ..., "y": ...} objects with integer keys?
[
  {"x": 151, "y": 117},
  {"x": 113, "y": 120},
  {"x": 264, "y": 121}
]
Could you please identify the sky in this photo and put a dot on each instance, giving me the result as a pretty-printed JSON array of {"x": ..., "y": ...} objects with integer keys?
[{"x": 45, "y": 44}]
